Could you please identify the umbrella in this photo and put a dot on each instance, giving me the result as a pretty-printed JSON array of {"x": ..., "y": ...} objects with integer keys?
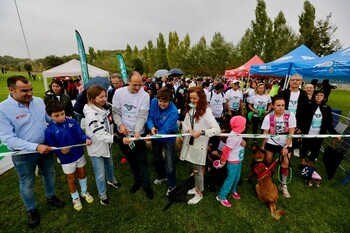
[
  {"x": 161, "y": 73},
  {"x": 101, "y": 81},
  {"x": 175, "y": 72}
]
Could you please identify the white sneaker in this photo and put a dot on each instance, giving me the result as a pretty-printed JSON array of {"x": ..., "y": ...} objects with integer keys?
[
  {"x": 284, "y": 189},
  {"x": 159, "y": 181},
  {"x": 195, "y": 199},
  {"x": 169, "y": 190},
  {"x": 296, "y": 152},
  {"x": 192, "y": 191},
  {"x": 87, "y": 196},
  {"x": 77, "y": 204}
]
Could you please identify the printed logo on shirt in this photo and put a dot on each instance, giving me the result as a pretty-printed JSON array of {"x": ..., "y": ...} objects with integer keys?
[
  {"x": 129, "y": 107},
  {"x": 70, "y": 125},
  {"x": 235, "y": 97},
  {"x": 21, "y": 116},
  {"x": 261, "y": 103},
  {"x": 241, "y": 154},
  {"x": 293, "y": 102},
  {"x": 217, "y": 101},
  {"x": 318, "y": 115}
]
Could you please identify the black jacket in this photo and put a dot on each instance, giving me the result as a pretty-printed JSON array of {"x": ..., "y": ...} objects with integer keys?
[{"x": 327, "y": 118}]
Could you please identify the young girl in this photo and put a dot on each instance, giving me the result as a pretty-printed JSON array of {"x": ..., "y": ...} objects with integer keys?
[
  {"x": 201, "y": 124},
  {"x": 233, "y": 152},
  {"x": 279, "y": 122},
  {"x": 100, "y": 130},
  {"x": 318, "y": 120}
]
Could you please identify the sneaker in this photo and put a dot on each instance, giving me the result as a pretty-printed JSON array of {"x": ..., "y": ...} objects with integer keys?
[
  {"x": 33, "y": 218},
  {"x": 192, "y": 191},
  {"x": 296, "y": 152},
  {"x": 88, "y": 198},
  {"x": 159, "y": 181},
  {"x": 135, "y": 187},
  {"x": 169, "y": 190},
  {"x": 114, "y": 183},
  {"x": 104, "y": 200},
  {"x": 195, "y": 199},
  {"x": 236, "y": 196},
  {"x": 149, "y": 192},
  {"x": 77, "y": 204},
  {"x": 55, "y": 202},
  {"x": 283, "y": 188},
  {"x": 225, "y": 203}
]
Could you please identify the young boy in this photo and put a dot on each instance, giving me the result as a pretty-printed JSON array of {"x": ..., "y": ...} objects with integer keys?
[{"x": 63, "y": 132}]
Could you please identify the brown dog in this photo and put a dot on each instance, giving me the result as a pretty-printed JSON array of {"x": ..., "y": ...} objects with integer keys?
[{"x": 266, "y": 190}]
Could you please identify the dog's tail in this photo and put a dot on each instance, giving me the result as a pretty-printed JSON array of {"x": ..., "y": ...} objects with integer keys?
[{"x": 276, "y": 214}]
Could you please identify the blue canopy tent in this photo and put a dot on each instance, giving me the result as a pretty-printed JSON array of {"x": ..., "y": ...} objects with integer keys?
[
  {"x": 282, "y": 66},
  {"x": 335, "y": 66}
]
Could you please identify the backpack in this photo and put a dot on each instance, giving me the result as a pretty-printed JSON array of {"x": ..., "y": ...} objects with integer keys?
[
  {"x": 223, "y": 103},
  {"x": 179, "y": 193},
  {"x": 273, "y": 122}
]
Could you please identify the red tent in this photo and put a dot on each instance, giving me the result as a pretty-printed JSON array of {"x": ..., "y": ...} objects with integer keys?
[{"x": 243, "y": 71}]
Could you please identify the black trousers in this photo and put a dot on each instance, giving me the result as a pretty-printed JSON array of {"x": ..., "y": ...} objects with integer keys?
[{"x": 313, "y": 145}]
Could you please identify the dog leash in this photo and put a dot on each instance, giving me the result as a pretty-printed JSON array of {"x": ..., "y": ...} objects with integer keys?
[{"x": 268, "y": 169}]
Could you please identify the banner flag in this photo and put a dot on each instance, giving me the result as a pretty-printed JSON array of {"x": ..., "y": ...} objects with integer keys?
[
  {"x": 122, "y": 68},
  {"x": 5, "y": 161},
  {"x": 82, "y": 55}
]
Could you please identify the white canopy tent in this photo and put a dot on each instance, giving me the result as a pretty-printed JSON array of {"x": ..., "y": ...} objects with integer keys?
[{"x": 72, "y": 68}]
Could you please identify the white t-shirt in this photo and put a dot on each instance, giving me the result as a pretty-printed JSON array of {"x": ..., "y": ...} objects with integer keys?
[
  {"x": 316, "y": 122},
  {"x": 280, "y": 128},
  {"x": 293, "y": 102},
  {"x": 260, "y": 102},
  {"x": 216, "y": 102},
  {"x": 234, "y": 99},
  {"x": 130, "y": 104},
  {"x": 237, "y": 152}
]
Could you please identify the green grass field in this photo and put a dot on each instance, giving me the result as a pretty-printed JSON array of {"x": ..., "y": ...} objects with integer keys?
[{"x": 311, "y": 209}]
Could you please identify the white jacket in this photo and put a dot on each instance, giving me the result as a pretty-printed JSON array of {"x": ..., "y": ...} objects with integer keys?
[
  {"x": 99, "y": 128},
  {"x": 197, "y": 152}
]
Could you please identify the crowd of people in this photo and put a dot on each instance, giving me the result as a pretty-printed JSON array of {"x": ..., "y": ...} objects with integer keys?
[{"x": 200, "y": 108}]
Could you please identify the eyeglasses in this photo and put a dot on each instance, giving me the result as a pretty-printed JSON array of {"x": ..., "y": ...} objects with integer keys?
[{"x": 235, "y": 84}]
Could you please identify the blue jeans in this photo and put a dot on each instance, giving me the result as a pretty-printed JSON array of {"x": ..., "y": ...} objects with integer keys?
[
  {"x": 165, "y": 168},
  {"x": 137, "y": 159},
  {"x": 230, "y": 184},
  {"x": 25, "y": 167},
  {"x": 102, "y": 166}
]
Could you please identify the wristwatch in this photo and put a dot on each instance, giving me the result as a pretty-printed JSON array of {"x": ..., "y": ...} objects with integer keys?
[{"x": 203, "y": 132}]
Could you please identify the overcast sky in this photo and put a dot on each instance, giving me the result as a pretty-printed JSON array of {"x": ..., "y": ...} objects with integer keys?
[{"x": 112, "y": 24}]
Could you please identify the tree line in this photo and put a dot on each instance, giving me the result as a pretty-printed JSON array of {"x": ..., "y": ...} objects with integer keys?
[{"x": 268, "y": 38}]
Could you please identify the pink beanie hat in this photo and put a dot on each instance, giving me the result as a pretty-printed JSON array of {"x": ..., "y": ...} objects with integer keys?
[{"x": 238, "y": 124}]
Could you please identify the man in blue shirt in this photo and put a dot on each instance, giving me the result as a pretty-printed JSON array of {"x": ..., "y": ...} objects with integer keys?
[{"x": 22, "y": 128}]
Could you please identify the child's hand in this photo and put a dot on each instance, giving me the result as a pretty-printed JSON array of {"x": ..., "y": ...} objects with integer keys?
[
  {"x": 88, "y": 142},
  {"x": 126, "y": 141},
  {"x": 243, "y": 143},
  {"x": 222, "y": 162},
  {"x": 65, "y": 150},
  {"x": 215, "y": 153},
  {"x": 154, "y": 131}
]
